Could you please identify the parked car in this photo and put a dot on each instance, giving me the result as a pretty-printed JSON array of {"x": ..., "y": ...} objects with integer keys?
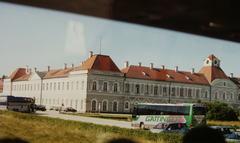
[
  {"x": 229, "y": 133},
  {"x": 40, "y": 107},
  {"x": 170, "y": 128},
  {"x": 55, "y": 108},
  {"x": 69, "y": 109}
]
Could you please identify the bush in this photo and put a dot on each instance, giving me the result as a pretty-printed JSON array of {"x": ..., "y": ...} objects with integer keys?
[{"x": 221, "y": 111}]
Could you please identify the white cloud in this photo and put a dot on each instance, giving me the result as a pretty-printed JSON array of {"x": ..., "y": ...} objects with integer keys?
[{"x": 75, "y": 38}]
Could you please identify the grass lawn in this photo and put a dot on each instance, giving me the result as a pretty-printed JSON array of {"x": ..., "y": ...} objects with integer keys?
[
  {"x": 36, "y": 129},
  {"x": 120, "y": 117}
]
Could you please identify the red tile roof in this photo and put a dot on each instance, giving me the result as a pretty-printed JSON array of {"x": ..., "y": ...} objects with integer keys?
[
  {"x": 164, "y": 75},
  {"x": 212, "y": 73},
  {"x": 1, "y": 85},
  {"x": 58, "y": 73},
  {"x": 236, "y": 80},
  {"x": 24, "y": 77},
  {"x": 99, "y": 62},
  {"x": 19, "y": 72}
]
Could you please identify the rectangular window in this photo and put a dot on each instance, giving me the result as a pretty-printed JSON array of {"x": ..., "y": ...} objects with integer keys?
[
  {"x": 173, "y": 92},
  {"x": 115, "y": 88},
  {"x": 197, "y": 93},
  {"x": 146, "y": 89},
  {"x": 189, "y": 92},
  {"x": 63, "y": 86},
  {"x": 181, "y": 92},
  {"x": 127, "y": 88},
  {"x": 82, "y": 85},
  {"x": 72, "y": 85},
  {"x": 67, "y": 85},
  {"x": 137, "y": 88},
  {"x": 54, "y": 86},
  {"x": 151, "y": 89},
  {"x": 164, "y": 91},
  {"x": 77, "y": 84},
  {"x": 50, "y": 88},
  {"x": 155, "y": 90},
  {"x": 47, "y": 86},
  {"x": 59, "y": 85},
  {"x": 105, "y": 86}
]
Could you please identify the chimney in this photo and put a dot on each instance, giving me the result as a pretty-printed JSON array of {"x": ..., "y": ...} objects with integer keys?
[
  {"x": 163, "y": 67},
  {"x": 35, "y": 69},
  {"x": 192, "y": 71},
  {"x": 90, "y": 54},
  {"x": 176, "y": 69},
  {"x": 48, "y": 68},
  {"x": 27, "y": 69},
  {"x": 72, "y": 65},
  {"x": 81, "y": 63},
  {"x": 139, "y": 64},
  {"x": 231, "y": 75},
  {"x": 151, "y": 65},
  {"x": 126, "y": 64},
  {"x": 65, "y": 66}
]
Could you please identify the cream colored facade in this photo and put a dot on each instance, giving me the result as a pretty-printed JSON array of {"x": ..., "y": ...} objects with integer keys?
[{"x": 106, "y": 91}]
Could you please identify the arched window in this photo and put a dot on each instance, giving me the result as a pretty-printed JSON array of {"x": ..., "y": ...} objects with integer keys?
[
  {"x": 105, "y": 86},
  {"x": 115, "y": 106},
  {"x": 94, "y": 105},
  {"x": 104, "y": 105},
  {"x": 231, "y": 96},
  {"x": 115, "y": 87},
  {"x": 94, "y": 86},
  {"x": 126, "y": 105},
  {"x": 216, "y": 95},
  {"x": 224, "y": 96}
]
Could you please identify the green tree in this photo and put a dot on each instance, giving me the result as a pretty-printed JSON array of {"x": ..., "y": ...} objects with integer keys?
[{"x": 221, "y": 111}]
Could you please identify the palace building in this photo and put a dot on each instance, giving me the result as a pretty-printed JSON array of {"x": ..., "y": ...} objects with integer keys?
[{"x": 98, "y": 85}]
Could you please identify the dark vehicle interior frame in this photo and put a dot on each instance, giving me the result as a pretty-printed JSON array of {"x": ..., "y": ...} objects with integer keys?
[{"x": 212, "y": 18}]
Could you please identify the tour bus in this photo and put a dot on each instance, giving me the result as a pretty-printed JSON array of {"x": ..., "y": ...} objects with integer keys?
[
  {"x": 148, "y": 115},
  {"x": 20, "y": 104}
]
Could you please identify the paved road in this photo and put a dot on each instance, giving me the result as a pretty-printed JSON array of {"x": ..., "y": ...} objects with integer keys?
[{"x": 55, "y": 114}]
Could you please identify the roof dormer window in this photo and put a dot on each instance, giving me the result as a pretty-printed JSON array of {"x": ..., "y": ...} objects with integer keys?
[
  {"x": 145, "y": 74},
  {"x": 168, "y": 76},
  {"x": 187, "y": 77}
]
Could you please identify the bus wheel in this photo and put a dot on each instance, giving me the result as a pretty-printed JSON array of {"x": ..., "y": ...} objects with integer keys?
[{"x": 142, "y": 125}]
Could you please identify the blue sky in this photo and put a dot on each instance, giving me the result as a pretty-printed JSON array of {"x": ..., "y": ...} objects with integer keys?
[{"x": 39, "y": 37}]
